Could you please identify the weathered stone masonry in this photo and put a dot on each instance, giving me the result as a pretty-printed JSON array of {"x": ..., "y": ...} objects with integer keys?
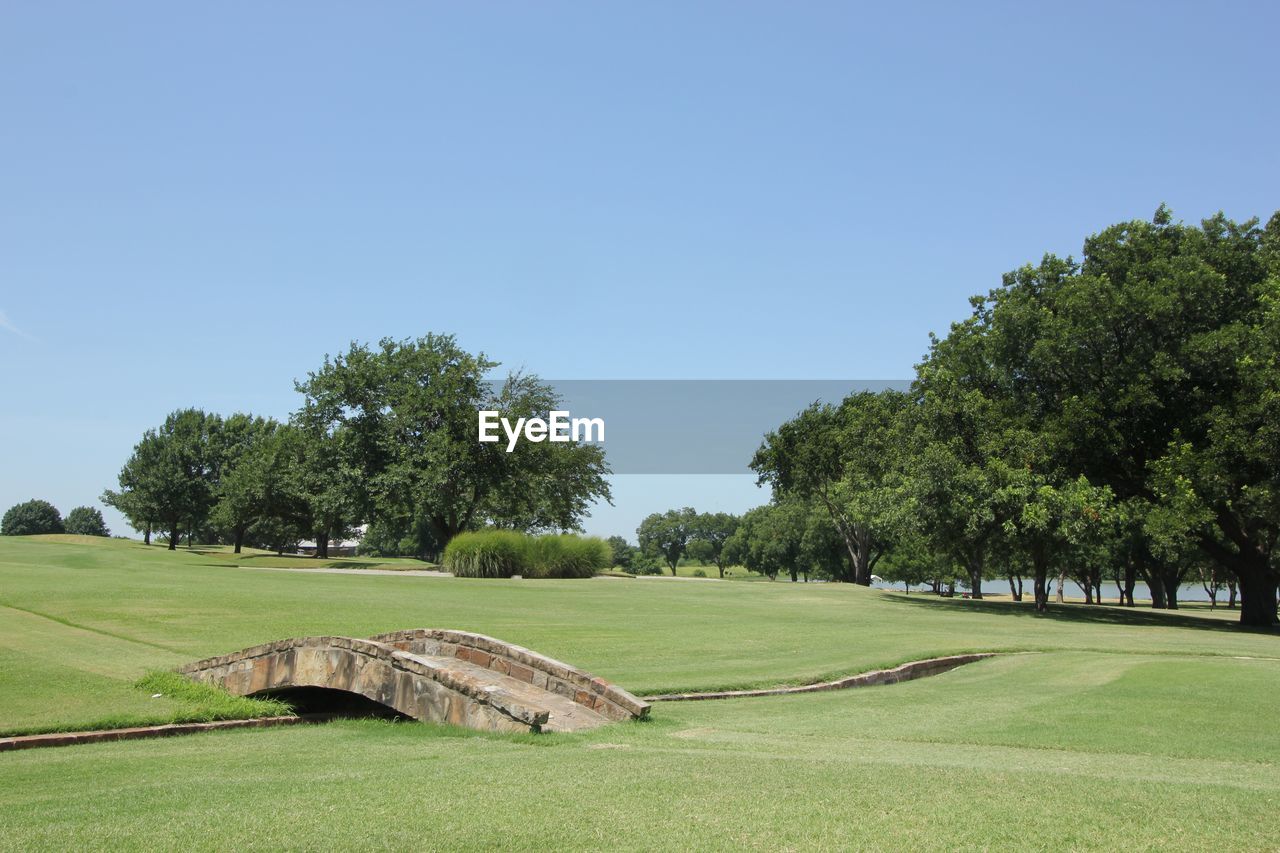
[{"x": 433, "y": 675}]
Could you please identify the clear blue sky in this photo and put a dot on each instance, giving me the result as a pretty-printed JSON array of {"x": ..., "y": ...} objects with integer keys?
[{"x": 198, "y": 201}]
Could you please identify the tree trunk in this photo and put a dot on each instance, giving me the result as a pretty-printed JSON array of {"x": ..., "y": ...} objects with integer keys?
[
  {"x": 322, "y": 546},
  {"x": 1231, "y": 594},
  {"x": 975, "y": 581},
  {"x": 1156, "y": 586},
  {"x": 1015, "y": 592},
  {"x": 173, "y": 536},
  {"x": 239, "y": 539},
  {"x": 1170, "y": 591},
  {"x": 858, "y": 544},
  {"x": 1062, "y": 581},
  {"x": 1039, "y": 587},
  {"x": 1130, "y": 581},
  {"x": 146, "y": 534},
  {"x": 1257, "y": 595}
]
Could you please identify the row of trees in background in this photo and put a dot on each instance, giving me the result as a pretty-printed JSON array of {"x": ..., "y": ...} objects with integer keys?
[
  {"x": 36, "y": 516},
  {"x": 1115, "y": 417},
  {"x": 666, "y": 537},
  {"x": 788, "y": 537},
  {"x": 385, "y": 436}
]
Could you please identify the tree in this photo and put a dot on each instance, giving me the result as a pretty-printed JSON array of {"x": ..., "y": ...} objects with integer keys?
[
  {"x": 960, "y": 462},
  {"x": 715, "y": 528},
  {"x": 847, "y": 458},
  {"x": 666, "y": 534},
  {"x": 324, "y": 478},
  {"x": 621, "y": 551},
  {"x": 86, "y": 521},
  {"x": 251, "y": 478},
  {"x": 1151, "y": 367},
  {"x": 30, "y": 518},
  {"x": 699, "y": 552},
  {"x": 769, "y": 539},
  {"x": 1055, "y": 525},
  {"x": 171, "y": 479},
  {"x": 822, "y": 550},
  {"x": 138, "y": 495},
  {"x": 407, "y": 411}
]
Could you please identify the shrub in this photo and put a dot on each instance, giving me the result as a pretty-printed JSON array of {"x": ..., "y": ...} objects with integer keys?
[
  {"x": 699, "y": 573},
  {"x": 646, "y": 567},
  {"x": 86, "y": 521},
  {"x": 623, "y": 552},
  {"x": 487, "y": 554},
  {"x": 34, "y": 516},
  {"x": 503, "y": 553},
  {"x": 567, "y": 556}
]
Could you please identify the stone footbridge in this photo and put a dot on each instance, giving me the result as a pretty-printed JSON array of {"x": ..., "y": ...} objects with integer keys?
[{"x": 432, "y": 675}]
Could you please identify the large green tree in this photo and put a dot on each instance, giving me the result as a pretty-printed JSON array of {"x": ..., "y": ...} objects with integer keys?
[
  {"x": 1150, "y": 367},
  {"x": 86, "y": 521},
  {"x": 715, "y": 528},
  {"x": 31, "y": 517},
  {"x": 252, "y": 475},
  {"x": 170, "y": 481},
  {"x": 770, "y": 539},
  {"x": 848, "y": 458},
  {"x": 405, "y": 416},
  {"x": 667, "y": 534}
]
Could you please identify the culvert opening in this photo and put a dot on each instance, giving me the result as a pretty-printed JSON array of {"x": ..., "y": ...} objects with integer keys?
[{"x": 325, "y": 703}]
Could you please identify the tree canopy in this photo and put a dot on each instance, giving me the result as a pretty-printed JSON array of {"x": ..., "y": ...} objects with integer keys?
[
  {"x": 86, "y": 521},
  {"x": 1118, "y": 410},
  {"x": 31, "y": 518}
]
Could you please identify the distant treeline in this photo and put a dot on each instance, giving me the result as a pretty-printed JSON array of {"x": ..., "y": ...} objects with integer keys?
[{"x": 385, "y": 436}]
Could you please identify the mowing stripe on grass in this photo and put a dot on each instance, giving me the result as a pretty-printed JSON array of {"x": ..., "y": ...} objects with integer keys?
[{"x": 91, "y": 629}]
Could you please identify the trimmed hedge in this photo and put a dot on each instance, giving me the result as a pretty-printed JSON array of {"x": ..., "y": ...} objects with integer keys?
[{"x": 503, "y": 553}]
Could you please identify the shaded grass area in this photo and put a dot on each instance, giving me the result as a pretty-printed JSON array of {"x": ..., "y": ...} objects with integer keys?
[
  {"x": 224, "y": 555},
  {"x": 987, "y": 756}
]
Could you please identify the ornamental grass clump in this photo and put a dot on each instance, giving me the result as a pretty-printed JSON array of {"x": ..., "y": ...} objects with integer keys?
[
  {"x": 567, "y": 555},
  {"x": 503, "y": 553},
  {"x": 487, "y": 554}
]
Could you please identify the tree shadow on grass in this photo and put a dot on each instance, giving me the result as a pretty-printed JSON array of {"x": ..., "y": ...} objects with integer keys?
[
  {"x": 1097, "y": 614},
  {"x": 222, "y": 559}
]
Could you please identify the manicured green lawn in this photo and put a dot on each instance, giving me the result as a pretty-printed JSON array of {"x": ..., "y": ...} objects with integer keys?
[{"x": 1126, "y": 728}]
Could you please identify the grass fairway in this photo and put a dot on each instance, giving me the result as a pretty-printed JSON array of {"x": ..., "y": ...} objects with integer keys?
[{"x": 1141, "y": 729}]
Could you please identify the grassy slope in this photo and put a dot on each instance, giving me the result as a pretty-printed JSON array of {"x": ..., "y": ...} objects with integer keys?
[
  {"x": 940, "y": 763},
  {"x": 1135, "y": 728}
]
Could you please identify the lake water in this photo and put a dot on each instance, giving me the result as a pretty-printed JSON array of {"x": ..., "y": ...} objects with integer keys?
[{"x": 1186, "y": 592}]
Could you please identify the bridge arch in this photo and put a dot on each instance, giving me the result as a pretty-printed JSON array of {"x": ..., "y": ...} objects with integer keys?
[{"x": 434, "y": 675}]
